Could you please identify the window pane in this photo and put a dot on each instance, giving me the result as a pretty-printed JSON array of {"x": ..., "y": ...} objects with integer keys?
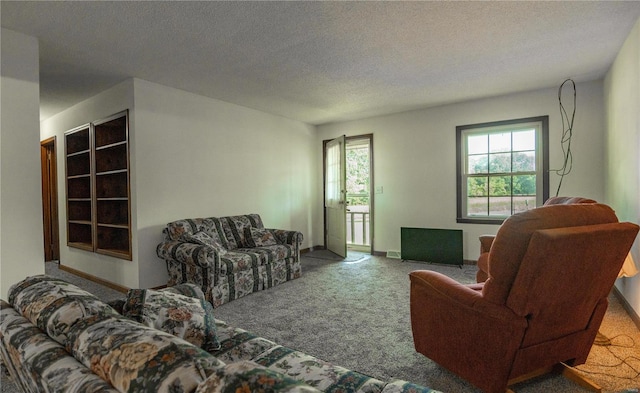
[
  {"x": 478, "y": 164},
  {"x": 477, "y": 186},
  {"x": 524, "y": 185},
  {"x": 500, "y": 163},
  {"x": 524, "y": 161},
  {"x": 477, "y": 206},
  {"x": 500, "y": 185},
  {"x": 500, "y": 142},
  {"x": 523, "y": 203},
  {"x": 500, "y": 206},
  {"x": 477, "y": 144},
  {"x": 333, "y": 174},
  {"x": 524, "y": 140}
]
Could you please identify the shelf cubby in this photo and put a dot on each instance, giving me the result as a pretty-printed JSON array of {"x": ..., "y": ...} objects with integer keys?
[
  {"x": 113, "y": 240},
  {"x": 112, "y": 158},
  {"x": 79, "y": 210},
  {"x": 77, "y": 140},
  {"x": 112, "y": 185},
  {"x": 113, "y": 212},
  {"x": 80, "y": 235}
]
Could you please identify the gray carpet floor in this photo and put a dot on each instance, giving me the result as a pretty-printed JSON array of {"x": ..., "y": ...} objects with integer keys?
[{"x": 355, "y": 313}]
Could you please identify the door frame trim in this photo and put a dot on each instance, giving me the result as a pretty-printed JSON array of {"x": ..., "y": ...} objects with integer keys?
[
  {"x": 50, "y": 217},
  {"x": 371, "y": 186}
]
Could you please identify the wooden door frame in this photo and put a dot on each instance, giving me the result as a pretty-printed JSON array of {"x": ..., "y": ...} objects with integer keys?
[{"x": 50, "y": 223}]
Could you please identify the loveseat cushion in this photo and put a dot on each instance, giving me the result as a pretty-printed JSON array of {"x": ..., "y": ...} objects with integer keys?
[
  {"x": 137, "y": 358},
  {"x": 260, "y": 237},
  {"x": 206, "y": 239},
  {"x": 244, "y": 259},
  {"x": 230, "y": 230},
  {"x": 317, "y": 373},
  {"x": 183, "y": 316},
  {"x": 235, "y": 227},
  {"x": 247, "y": 376},
  {"x": 54, "y": 305}
]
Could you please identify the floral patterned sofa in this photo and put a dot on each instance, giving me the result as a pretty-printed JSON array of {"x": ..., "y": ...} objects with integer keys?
[
  {"x": 229, "y": 257},
  {"x": 55, "y": 337}
]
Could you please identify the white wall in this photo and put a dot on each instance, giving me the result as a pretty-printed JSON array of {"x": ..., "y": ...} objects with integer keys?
[
  {"x": 109, "y": 102},
  {"x": 622, "y": 103},
  {"x": 21, "y": 238},
  {"x": 200, "y": 157},
  {"x": 193, "y": 156},
  {"x": 415, "y": 157}
]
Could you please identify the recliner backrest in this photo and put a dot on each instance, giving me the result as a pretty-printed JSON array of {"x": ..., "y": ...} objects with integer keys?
[
  {"x": 567, "y": 200},
  {"x": 513, "y": 237},
  {"x": 563, "y": 276}
]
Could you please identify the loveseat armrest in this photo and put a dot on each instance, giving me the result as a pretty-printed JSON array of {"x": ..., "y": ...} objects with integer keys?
[
  {"x": 284, "y": 236},
  {"x": 189, "y": 253}
]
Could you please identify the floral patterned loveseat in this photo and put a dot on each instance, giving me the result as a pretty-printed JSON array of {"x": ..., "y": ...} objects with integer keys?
[
  {"x": 55, "y": 337},
  {"x": 229, "y": 257}
]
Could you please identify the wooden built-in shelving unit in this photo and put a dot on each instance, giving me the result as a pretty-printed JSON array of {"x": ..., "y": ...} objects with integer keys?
[{"x": 98, "y": 192}]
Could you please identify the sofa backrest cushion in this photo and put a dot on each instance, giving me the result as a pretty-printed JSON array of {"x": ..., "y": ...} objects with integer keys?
[
  {"x": 135, "y": 358},
  {"x": 183, "y": 316},
  {"x": 54, "y": 305},
  {"x": 40, "y": 364},
  {"x": 130, "y": 356},
  {"x": 247, "y": 376},
  {"x": 187, "y": 289}
]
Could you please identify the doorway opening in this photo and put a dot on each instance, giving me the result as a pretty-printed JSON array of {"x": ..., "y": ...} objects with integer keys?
[
  {"x": 50, "y": 200},
  {"x": 359, "y": 168}
]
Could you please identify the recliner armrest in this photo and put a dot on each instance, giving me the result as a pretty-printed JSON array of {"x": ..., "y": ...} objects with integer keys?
[
  {"x": 449, "y": 318},
  {"x": 485, "y": 243},
  {"x": 465, "y": 297}
]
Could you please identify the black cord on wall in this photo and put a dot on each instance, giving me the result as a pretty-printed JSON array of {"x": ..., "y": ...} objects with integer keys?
[{"x": 567, "y": 133}]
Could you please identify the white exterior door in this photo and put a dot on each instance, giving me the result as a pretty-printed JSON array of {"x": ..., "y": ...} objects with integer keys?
[{"x": 336, "y": 196}]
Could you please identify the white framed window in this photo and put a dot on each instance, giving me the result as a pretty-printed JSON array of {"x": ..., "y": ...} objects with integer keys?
[{"x": 502, "y": 168}]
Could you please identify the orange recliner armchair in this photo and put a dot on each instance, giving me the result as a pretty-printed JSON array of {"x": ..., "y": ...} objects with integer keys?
[
  {"x": 551, "y": 271},
  {"x": 487, "y": 240}
]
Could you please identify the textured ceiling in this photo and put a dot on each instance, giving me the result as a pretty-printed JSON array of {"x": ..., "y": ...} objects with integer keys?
[{"x": 320, "y": 62}]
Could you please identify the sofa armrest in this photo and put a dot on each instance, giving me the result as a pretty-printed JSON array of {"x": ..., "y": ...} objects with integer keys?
[
  {"x": 189, "y": 253},
  {"x": 284, "y": 236},
  {"x": 485, "y": 243}
]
